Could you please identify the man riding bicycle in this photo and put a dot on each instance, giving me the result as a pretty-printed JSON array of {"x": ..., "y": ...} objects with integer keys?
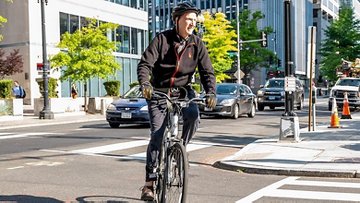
[{"x": 170, "y": 62}]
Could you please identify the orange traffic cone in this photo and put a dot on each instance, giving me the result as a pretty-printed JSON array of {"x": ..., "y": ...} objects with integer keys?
[
  {"x": 346, "y": 109},
  {"x": 334, "y": 121}
]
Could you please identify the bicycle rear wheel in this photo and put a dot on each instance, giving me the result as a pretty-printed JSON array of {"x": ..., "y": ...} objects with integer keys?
[{"x": 176, "y": 174}]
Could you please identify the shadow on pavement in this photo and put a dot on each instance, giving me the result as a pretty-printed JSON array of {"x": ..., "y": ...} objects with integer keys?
[
  {"x": 27, "y": 198},
  {"x": 107, "y": 199}
]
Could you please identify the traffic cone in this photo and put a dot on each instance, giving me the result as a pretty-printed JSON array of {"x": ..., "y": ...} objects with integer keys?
[
  {"x": 334, "y": 121},
  {"x": 346, "y": 109}
]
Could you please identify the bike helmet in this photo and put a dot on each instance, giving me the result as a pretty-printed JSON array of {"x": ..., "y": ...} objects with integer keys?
[{"x": 182, "y": 8}]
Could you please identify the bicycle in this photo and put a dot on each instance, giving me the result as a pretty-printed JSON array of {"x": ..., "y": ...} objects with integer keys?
[{"x": 172, "y": 169}]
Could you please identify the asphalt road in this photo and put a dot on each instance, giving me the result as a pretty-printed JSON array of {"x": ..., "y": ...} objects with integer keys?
[{"x": 92, "y": 162}]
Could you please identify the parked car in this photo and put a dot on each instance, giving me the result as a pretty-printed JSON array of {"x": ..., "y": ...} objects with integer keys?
[
  {"x": 272, "y": 94},
  {"x": 131, "y": 108},
  {"x": 232, "y": 100},
  {"x": 349, "y": 85}
]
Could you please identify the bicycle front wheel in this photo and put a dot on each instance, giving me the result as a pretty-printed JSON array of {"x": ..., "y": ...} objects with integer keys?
[{"x": 176, "y": 175}]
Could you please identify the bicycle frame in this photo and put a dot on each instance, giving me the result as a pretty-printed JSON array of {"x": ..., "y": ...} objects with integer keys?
[{"x": 172, "y": 139}]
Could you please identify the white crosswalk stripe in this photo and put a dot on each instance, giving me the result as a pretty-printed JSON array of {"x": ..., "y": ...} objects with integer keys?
[
  {"x": 4, "y": 136},
  {"x": 117, "y": 148},
  {"x": 274, "y": 190}
]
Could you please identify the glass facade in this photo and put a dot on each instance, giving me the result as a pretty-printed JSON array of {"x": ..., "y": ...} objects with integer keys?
[
  {"x": 128, "y": 40},
  {"x": 138, "y": 4},
  {"x": 160, "y": 11}
]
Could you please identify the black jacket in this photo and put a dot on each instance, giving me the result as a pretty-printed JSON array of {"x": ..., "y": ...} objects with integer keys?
[{"x": 163, "y": 67}]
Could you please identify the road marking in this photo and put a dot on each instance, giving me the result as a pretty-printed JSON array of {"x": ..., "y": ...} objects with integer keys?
[
  {"x": 190, "y": 147},
  {"x": 325, "y": 184},
  {"x": 298, "y": 194},
  {"x": 26, "y": 135},
  {"x": 16, "y": 167},
  {"x": 111, "y": 147},
  {"x": 266, "y": 190},
  {"x": 44, "y": 163},
  {"x": 274, "y": 191}
]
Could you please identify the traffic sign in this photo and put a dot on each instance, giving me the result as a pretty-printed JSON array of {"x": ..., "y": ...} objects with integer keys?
[{"x": 290, "y": 84}]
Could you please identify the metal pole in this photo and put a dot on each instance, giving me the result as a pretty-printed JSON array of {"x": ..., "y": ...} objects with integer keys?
[
  {"x": 312, "y": 35},
  {"x": 45, "y": 113},
  {"x": 289, "y": 96},
  {"x": 238, "y": 40}
]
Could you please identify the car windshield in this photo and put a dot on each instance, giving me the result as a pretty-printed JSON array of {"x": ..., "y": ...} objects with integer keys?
[
  {"x": 133, "y": 93},
  {"x": 275, "y": 83},
  {"x": 226, "y": 89},
  {"x": 349, "y": 82}
]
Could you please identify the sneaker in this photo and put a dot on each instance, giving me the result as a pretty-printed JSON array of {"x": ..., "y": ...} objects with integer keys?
[{"x": 147, "y": 193}]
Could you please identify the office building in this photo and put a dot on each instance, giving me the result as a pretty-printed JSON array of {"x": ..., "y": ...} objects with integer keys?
[{"x": 23, "y": 32}]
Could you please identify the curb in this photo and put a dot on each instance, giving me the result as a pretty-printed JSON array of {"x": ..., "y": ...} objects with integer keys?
[{"x": 245, "y": 168}]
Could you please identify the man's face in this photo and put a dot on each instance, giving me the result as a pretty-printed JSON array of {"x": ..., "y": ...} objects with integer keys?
[{"x": 187, "y": 24}]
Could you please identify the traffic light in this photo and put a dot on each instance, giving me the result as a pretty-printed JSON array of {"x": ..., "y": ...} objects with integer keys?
[
  {"x": 264, "y": 39},
  {"x": 279, "y": 63}
]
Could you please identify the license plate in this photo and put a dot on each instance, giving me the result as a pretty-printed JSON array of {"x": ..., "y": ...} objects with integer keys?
[
  {"x": 271, "y": 98},
  {"x": 126, "y": 115},
  {"x": 207, "y": 109}
]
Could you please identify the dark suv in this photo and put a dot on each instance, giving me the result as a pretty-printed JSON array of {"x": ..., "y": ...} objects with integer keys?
[{"x": 272, "y": 94}]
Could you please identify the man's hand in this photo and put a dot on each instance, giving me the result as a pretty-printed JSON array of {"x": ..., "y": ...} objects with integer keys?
[
  {"x": 210, "y": 101},
  {"x": 147, "y": 90}
]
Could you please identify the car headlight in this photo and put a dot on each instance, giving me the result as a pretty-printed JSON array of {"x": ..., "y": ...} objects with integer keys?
[
  {"x": 227, "y": 102},
  {"x": 111, "y": 107},
  {"x": 282, "y": 93},
  {"x": 260, "y": 93},
  {"x": 144, "y": 108}
]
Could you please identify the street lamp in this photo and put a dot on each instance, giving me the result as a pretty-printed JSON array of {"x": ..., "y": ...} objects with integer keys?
[{"x": 46, "y": 112}]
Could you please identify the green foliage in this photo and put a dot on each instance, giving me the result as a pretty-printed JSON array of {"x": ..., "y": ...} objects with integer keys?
[
  {"x": 52, "y": 84},
  {"x": 131, "y": 85},
  {"x": 220, "y": 38},
  {"x": 342, "y": 42},
  {"x": 196, "y": 87},
  {"x": 6, "y": 89},
  {"x": 112, "y": 88},
  {"x": 86, "y": 53},
  {"x": 252, "y": 55}
]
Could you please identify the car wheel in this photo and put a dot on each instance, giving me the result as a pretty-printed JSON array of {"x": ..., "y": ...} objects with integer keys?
[
  {"x": 235, "y": 112},
  {"x": 260, "y": 107},
  {"x": 301, "y": 104},
  {"x": 114, "y": 125},
  {"x": 251, "y": 114}
]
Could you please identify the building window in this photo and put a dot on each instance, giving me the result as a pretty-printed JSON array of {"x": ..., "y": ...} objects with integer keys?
[
  {"x": 74, "y": 23},
  {"x": 64, "y": 23}
]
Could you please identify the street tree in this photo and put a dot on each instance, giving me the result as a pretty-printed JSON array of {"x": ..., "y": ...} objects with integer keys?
[
  {"x": 252, "y": 55},
  {"x": 10, "y": 64},
  {"x": 220, "y": 39},
  {"x": 342, "y": 42},
  {"x": 86, "y": 53}
]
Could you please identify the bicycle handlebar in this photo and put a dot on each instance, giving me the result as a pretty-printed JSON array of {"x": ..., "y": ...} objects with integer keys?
[{"x": 182, "y": 102}]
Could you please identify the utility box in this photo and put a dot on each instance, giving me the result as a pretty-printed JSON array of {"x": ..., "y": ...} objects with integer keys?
[{"x": 289, "y": 129}]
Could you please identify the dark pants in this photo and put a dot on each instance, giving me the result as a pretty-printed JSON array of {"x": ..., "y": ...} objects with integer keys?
[{"x": 157, "y": 113}]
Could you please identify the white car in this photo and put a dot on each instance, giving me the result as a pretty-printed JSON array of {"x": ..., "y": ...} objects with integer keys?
[{"x": 349, "y": 85}]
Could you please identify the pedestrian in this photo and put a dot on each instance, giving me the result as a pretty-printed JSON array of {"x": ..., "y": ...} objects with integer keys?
[
  {"x": 74, "y": 91},
  {"x": 170, "y": 62},
  {"x": 18, "y": 91}
]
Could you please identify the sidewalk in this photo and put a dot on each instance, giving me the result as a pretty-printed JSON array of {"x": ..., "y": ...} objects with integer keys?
[{"x": 327, "y": 152}]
